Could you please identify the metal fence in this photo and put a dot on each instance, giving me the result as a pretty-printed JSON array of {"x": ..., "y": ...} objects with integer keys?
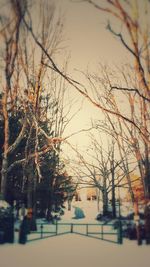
[{"x": 105, "y": 232}]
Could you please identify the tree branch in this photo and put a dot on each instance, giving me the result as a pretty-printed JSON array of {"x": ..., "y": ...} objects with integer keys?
[
  {"x": 130, "y": 90},
  {"x": 75, "y": 85},
  {"x": 19, "y": 138}
]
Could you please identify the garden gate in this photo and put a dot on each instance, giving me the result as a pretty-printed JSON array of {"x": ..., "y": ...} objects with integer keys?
[{"x": 101, "y": 231}]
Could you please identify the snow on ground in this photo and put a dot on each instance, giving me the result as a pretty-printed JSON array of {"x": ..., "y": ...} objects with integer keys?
[
  {"x": 89, "y": 208},
  {"x": 73, "y": 250}
]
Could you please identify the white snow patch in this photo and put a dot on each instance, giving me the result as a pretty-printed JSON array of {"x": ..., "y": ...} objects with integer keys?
[
  {"x": 72, "y": 250},
  {"x": 89, "y": 208}
]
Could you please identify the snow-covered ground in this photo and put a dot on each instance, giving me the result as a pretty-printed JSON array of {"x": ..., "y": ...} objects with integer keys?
[
  {"x": 89, "y": 208},
  {"x": 73, "y": 250}
]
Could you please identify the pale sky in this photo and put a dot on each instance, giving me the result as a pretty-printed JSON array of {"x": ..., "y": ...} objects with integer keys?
[
  {"x": 88, "y": 40},
  {"x": 89, "y": 43}
]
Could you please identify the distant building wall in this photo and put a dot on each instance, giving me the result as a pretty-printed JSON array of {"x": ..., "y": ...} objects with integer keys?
[{"x": 86, "y": 194}]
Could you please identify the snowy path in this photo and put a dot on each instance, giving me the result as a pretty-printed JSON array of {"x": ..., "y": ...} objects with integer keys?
[{"x": 73, "y": 250}]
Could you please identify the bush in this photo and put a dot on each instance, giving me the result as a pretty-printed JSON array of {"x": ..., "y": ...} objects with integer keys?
[{"x": 6, "y": 223}]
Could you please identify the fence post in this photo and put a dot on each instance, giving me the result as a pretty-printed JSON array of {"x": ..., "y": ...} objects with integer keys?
[
  {"x": 24, "y": 231},
  {"x": 87, "y": 229},
  {"x": 41, "y": 230},
  {"x": 56, "y": 227},
  {"x": 120, "y": 238},
  {"x": 102, "y": 231},
  {"x": 71, "y": 227}
]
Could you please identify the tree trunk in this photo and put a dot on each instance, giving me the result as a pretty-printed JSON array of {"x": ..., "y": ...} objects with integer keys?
[
  {"x": 5, "y": 146},
  {"x": 113, "y": 199},
  {"x": 69, "y": 204},
  {"x": 4, "y": 178},
  {"x": 147, "y": 173},
  {"x": 98, "y": 199},
  {"x": 105, "y": 196},
  {"x": 105, "y": 202},
  {"x": 49, "y": 206},
  {"x": 29, "y": 193},
  {"x": 31, "y": 201},
  {"x": 113, "y": 202},
  {"x": 113, "y": 189}
]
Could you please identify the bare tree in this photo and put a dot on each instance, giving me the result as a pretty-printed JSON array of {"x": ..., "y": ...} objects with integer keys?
[
  {"x": 100, "y": 169},
  {"x": 25, "y": 85},
  {"x": 133, "y": 35},
  {"x": 118, "y": 11},
  {"x": 10, "y": 31}
]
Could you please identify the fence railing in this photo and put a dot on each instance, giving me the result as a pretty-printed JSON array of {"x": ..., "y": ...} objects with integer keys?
[{"x": 105, "y": 232}]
